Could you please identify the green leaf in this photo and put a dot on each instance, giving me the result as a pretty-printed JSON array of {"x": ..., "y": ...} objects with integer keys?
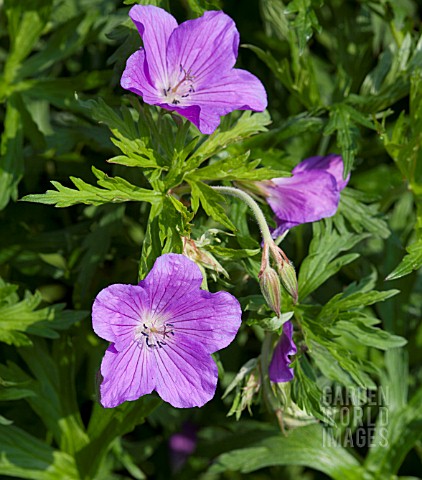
[
  {"x": 298, "y": 75},
  {"x": 346, "y": 302},
  {"x": 302, "y": 446},
  {"x": 26, "y": 22},
  {"x": 237, "y": 168},
  {"x": 231, "y": 253},
  {"x": 18, "y": 318},
  {"x": 412, "y": 261},
  {"x": 305, "y": 390},
  {"x": 247, "y": 125},
  {"x": 53, "y": 385},
  {"x": 131, "y": 138},
  {"x": 363, "y": 217},
  {"x": 63, "y": 43},
  {"x": 396, "y": 433},
  {"x": 107, "y": 222},
  {"x": 362, "y": 331},
  {"x": 329, "y": 366},
  {"x": 274, "y": 17},
  {"x": 173, "y": 224},
  {"x": 113, "y": 190},
  {"x": 210, "y": 201},
  {"x": 321, "y": 262},
  {"x": 106, "y": 424},
  {"x": 305, "y": 21},
  {"x": 404, "y": 142},
  {"x": 24, "y": 456},
  {"x": 168, "y": 221},
  {"x": 343, "y": 119},
  {"x": 11, "y": 153},
  {"x": 12, "y": 390}
]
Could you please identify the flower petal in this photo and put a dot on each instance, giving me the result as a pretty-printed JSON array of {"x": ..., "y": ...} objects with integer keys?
[
  {"x": 211, "y": 319},
  {"x": 283, "y": 227},
  {"x": 155, "y": 26},
  {"x": 331, "y": 164},
  {"x": 136, "y": 78},
  {"x": 117, "y": 311},
  {"x": 172, "y": 277},
  {"x": 204, "y": 47},
  {"x": 186, "y": 374},
  {"x": 237, "y": 90},
  {"x": 305, "y": 197},
  {"x": 127, "y": 375},
  {"x": 279, "y": 370},
  {"x": 181, "y": 445}
]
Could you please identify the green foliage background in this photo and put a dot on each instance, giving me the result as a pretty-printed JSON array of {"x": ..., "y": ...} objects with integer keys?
[{"x": 341, "y": 76}]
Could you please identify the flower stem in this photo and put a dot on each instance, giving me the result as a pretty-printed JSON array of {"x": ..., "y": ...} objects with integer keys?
[
  {"x": 284, "y": 267},
  {"x": 262, "y": 223}
]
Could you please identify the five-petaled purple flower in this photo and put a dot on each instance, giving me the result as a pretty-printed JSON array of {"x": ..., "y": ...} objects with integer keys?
[
  {"x": 188, "y": 68},
  {"x": 312, "y": 193},
  {"x": 279, "y": 370},
  {"x": 162, "y": 333}
]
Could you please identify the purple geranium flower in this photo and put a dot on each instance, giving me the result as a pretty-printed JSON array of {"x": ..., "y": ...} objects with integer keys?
[
  {"x": 181, "y": 445},
  {"x": 279, "y": 370},
  {"x": 312, "y": 193},
  {"x": 162, "y": 333},
  {"x": 188, "y": 68}
]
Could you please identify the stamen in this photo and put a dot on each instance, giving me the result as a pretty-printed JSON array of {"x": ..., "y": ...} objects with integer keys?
[
  {"x": 183, "y": 88},
  {"x": 151, "y": 333},
  {"x": 186, "y": 78}
]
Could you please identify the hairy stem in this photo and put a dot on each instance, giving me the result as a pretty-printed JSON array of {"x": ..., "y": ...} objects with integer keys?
[{"x": 262, "y": 223}]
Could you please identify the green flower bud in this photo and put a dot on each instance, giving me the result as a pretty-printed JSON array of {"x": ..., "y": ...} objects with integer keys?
[
  {"x": 288, "y": 278},
  {"x": 269, "y": 282},
  {"x": 286, "y": 270}
]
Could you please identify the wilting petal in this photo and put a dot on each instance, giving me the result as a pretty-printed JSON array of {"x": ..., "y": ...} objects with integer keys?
[
  {"x": 136, "y": 78},
  {"x": 155, "y": 26},
  {"x": 279, "y": 370},
  {"x": 117, "y": 311},
  {"x": 205, "y": 47},
  {"x": 211, "y": 319},
  {"x": 126, "y": 375},
  {"x": 305, "y": 197},
  {"x": 331, "y": 164},
  {"x": 186, "y": 374},
  {"x": 172, "y": 277},
  {"x": 237, "y": 90}
]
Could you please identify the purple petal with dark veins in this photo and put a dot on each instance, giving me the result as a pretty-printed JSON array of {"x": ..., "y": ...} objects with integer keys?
[
  {"x": 206, "y": 47},
  {"x": 127, "y": 375},
  {"x": 155, "y": 26},
  {"x": 117, "y": 311},
  {"x": 186, "y": 374},
  {"x": 237, "y": 90}
]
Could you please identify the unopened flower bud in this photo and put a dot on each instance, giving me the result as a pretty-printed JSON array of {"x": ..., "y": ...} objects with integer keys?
[
  {"x": 288, "y": 279},
  {"x": 269, "y": 282},
  {"x": 286, "y": 271}
]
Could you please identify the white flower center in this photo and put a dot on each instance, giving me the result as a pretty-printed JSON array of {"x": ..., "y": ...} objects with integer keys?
[
  {"x": 154, "y": 333},
  {"x": 180, "y": 88}
]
